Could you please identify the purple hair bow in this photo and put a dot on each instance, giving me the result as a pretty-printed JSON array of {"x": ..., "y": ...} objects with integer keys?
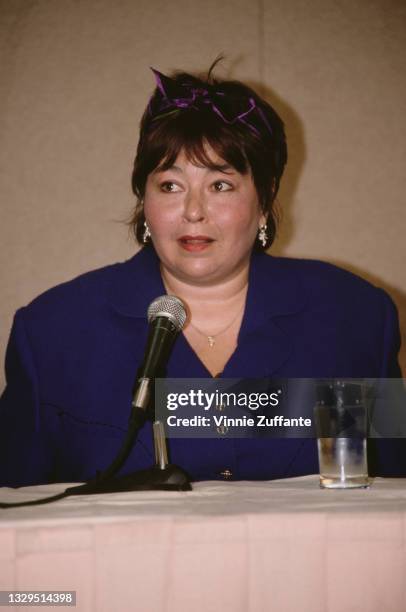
[{"x": 231, "y": 109}]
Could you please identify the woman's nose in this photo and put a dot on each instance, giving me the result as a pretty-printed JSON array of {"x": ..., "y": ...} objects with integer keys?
[{"x": 194, "y": 208}]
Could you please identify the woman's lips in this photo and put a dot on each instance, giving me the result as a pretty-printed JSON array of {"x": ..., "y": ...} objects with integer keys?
[{"x": 195, "y": 243}]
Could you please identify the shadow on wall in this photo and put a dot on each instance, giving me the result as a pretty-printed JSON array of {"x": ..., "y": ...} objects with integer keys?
[
  {"x": 296, "y": 161},
  {"x": 294, "y": 167}
]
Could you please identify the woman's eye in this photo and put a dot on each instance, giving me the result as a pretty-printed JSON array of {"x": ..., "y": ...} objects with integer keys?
[
  {"x": 222, "y": 186},
  {"x": 169, "y": 187}
]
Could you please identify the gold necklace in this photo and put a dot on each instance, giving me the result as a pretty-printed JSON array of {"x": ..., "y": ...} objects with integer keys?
[{"x": 211, "y": 339}]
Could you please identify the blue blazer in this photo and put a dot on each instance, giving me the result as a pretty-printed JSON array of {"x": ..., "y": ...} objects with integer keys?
[{"x": 74, "y": 352}]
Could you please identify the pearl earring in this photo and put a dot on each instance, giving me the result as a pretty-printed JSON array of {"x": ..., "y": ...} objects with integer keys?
[{"x": 263, "y": 235}]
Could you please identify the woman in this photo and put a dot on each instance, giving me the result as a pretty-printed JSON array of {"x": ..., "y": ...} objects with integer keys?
[{"x": 209, "y": 161}]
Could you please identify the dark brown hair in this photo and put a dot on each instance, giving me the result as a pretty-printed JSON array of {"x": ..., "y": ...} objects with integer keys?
[{"x": 261, "y": 150}]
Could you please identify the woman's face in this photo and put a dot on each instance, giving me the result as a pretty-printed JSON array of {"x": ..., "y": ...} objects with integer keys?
[{"x": 203, "y": 222}]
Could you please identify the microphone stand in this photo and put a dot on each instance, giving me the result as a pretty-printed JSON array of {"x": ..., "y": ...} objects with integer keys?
[
  {"x": 166, "y": 316},
  {"x": 162, "y": 476}
]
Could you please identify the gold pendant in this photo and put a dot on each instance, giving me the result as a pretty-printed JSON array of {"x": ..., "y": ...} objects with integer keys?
[{"x": 211, "y": 341}]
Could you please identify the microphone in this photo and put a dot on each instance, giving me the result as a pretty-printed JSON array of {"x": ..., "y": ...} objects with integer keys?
[{"x": 166, "y": 317}]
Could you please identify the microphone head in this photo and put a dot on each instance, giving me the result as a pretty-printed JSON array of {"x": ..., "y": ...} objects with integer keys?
[{"x": 168, "y": 306}]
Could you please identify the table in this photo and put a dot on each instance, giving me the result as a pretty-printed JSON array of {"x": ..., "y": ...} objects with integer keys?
[{"x": 276, "y": 546}]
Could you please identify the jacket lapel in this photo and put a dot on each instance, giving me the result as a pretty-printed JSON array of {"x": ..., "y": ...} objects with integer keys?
[{"x": 274, "y": 291}]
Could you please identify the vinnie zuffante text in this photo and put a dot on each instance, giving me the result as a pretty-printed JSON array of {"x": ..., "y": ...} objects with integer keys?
[
  {"x": 259, "y": 420},
  {"x": 217, "y": 401}
]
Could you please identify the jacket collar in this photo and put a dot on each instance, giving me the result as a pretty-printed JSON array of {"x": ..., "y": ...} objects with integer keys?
[
  {"x": 274, "y": 288},
  {"x": 137, "y": 283}
]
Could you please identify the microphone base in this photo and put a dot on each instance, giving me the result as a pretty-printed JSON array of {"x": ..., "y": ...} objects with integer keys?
[{"x": 170, "y": 478}]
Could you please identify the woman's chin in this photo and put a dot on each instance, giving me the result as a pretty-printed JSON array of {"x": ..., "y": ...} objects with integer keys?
[
  {"x": 199, "y": 274},
  {"x": 206, "y": 273}
]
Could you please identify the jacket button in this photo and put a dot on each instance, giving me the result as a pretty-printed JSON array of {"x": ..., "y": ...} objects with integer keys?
[{"x": 226, "y": 474}]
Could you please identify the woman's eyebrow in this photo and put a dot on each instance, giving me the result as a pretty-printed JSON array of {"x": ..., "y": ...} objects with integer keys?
[
  {"x": 160, "y": 169},
  {"x": 225, "y": 168}
]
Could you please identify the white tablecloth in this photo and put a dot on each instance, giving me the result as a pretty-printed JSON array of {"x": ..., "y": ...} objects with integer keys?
[{"x": 241, "y": 547}]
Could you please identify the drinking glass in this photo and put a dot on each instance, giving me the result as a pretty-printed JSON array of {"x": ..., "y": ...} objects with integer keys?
[{"x": 341, "y": 427}]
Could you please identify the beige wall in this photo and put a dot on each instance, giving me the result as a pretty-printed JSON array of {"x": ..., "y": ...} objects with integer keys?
[{"x": 74, "y": 80}]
